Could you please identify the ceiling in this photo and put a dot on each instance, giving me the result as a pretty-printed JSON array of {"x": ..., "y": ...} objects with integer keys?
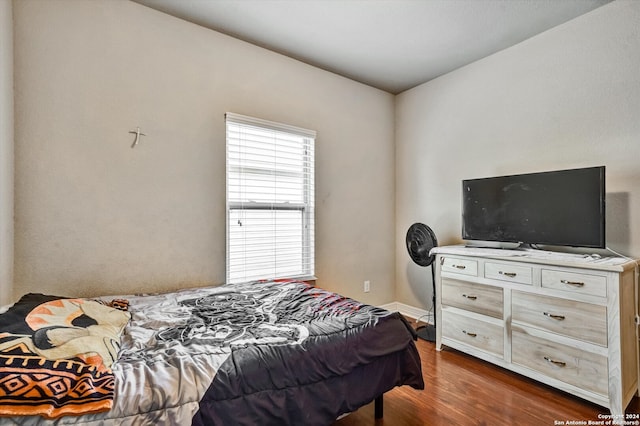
[{"x": 393, "y": 45}]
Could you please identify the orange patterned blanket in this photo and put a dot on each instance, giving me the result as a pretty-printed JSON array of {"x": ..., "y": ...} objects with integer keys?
[{"x": 56, "y": 355}]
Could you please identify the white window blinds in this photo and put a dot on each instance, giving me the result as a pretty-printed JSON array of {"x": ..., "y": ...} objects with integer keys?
[{"x": 270, "y": 200}]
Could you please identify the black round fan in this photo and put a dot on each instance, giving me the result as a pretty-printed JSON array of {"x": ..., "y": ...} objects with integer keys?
[{"x": 420, "y": 240}]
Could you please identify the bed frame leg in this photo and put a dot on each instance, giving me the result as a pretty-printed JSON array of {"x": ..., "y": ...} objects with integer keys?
[{"x": 379, "y": 407}]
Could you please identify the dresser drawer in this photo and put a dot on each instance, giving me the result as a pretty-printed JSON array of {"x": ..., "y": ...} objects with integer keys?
[
  {"x": 579, "y": 283},
  {"x": 583, "y": 321},
  {"x": 481, "y": 335},
  {"x": 509, "y": 272},
  {"x": 460, "y": 266},
  {"x": 579, "y": 368},
  {"x": 482, "y": 299}
]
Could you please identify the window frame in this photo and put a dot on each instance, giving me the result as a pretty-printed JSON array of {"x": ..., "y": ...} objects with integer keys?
[{"x": 306, "y": 207}]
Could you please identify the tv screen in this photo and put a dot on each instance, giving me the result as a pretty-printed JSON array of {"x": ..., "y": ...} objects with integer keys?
[{"x": 564, "y": 208}]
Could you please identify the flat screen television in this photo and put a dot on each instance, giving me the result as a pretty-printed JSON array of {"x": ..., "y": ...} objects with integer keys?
[{"x": 562, "y": 208}]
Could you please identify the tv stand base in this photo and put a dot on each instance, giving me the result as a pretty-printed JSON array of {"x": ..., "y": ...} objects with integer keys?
[{"x": 562, "y": 319}]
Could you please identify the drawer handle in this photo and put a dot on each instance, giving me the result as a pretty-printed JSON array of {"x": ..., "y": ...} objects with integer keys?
[
  {"x": 459, "y": 266},
  {"x": 469, "y": 297},
  {"x": 554, "y": 362},
  {"x": 508, "y": 274},
  {"x": 573, "y": 283},
  {"x": 555, "y": 317},
  {"x": 468, "y": 333}
]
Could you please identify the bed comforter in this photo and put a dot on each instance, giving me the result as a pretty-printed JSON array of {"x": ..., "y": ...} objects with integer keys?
[{"x": 260, "y": 353}]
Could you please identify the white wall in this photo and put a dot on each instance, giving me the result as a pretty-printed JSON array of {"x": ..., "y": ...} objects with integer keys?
[
  {"x": 94, "y": 216},
  {"x": 569, "y": 97},
  {"x": 6, "y": 151}
]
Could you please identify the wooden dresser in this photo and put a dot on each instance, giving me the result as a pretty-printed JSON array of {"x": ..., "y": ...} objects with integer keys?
[{"x": 563, "y": 319}]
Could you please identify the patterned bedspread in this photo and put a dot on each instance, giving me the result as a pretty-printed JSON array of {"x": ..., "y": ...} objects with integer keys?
[
  {"x": 277, "y": 352},
  {"x": 56, "y": 356}
]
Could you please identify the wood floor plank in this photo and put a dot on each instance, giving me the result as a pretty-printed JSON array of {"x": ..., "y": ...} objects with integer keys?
[{"x": 463, "y": 390}]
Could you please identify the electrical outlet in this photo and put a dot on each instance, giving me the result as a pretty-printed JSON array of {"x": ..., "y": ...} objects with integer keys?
[{"x": 367, "y": 286}]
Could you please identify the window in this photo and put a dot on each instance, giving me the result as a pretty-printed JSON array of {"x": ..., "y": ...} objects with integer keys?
[{"x": 270, "y": 199}]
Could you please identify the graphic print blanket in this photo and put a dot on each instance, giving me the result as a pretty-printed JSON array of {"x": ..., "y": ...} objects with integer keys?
[
  {"x": 56, "y": 356},
  {"x": 268, "y": 353}
]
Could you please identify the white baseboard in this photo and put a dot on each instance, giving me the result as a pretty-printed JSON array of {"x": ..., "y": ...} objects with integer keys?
[{"x": 410, "y": 311}]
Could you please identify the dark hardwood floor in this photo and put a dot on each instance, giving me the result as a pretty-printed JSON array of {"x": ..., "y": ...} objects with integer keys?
[{"x": 462, "y": 390}]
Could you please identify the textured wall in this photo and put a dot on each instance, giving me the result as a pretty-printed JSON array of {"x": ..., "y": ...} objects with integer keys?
[
  {"x": 6, "y": 151},
  {"x": 94, "y": 216},
  {"x": 569, "y": 97}
]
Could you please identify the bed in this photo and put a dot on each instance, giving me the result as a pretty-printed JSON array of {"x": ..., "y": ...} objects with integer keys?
[{"x": 259, "y": 353}]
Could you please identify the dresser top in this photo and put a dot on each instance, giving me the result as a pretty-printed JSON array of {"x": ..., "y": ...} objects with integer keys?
[{"x": 615, "y": 264}]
